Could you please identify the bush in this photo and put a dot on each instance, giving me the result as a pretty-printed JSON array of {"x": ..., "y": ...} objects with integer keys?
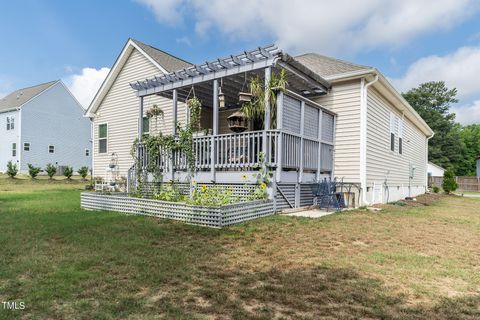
[
  {"x": 83, "y": 172},
  {"x": 50, "y": 169},
  {"x": 436, "y": 189},
  {"x": 449, "y": 184},
  {"x": 33, "y": 171},
  {"x": 68, "y": 172},
  {"x": 12, "y": 169}
]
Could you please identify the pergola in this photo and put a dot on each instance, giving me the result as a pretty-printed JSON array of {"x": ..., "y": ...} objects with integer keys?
[
  {"x": 232, "y": 75},
  {"x": 233, "y": 72}
]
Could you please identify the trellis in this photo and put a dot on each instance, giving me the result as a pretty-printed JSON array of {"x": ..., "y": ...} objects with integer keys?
[{"x": 216, "y": 217}]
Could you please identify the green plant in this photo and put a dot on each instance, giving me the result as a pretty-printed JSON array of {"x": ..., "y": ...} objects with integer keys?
[
  {"x": 68, "y": 172},
  {"x": 436, "y": 189},
  {"x": 50, "y": 169},
  {"x": 195, "y": 107},
  {"x": 169, "y": 192},
  {"x": 33, "y": 171},
  {"x": 83, "y": 172},
  {"x": 155, "y": 112},
  {"x": 449, "y": 184},
  {"x": 209, "y": 196},
  {"x": 12, "y": 169},
  {"x": 255, "y": 109},
  {"x": 263, "y": 177}
]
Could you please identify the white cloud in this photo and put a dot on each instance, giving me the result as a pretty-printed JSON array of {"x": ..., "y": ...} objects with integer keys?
[
  {"x": 85, "y": 85},
  {"x": 468, "y": 114},
  {"x": 459, "y": 69},
  {"x": 166, "y": 11},
  {"x": 321, "y": 25},
  {"x": 184, "y": 40}
]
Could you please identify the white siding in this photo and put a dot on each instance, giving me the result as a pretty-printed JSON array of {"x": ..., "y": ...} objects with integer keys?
[
  {"x": 344, "y": 99},
  {"x": 381, "y": 161},
  {"x": 119, "y": 109}
]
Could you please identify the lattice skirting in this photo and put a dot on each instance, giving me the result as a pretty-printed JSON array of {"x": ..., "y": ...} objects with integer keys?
[{"x": 216, "y": 217}]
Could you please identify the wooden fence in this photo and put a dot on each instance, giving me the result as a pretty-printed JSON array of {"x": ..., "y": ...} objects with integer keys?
[{"x": 464, "y": 183}]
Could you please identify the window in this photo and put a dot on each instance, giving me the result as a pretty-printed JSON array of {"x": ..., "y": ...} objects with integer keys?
[
  {"x": 12, "y": 123},
  {"x": 146, "y": 125},
  {"x": 393, "y": 127},
  {"x": 8, "y": 123},
  {"x": 26, "y": 146},
  {"x": 87, "y": 153},
  {"x": 14, "y": 149},
  {"x": 102, "y": 138},
  {"x": 400, "y": 136},
  {"x": 51, "y": 149}
]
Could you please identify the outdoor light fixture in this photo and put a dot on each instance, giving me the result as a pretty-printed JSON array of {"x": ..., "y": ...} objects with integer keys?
[{"x": 221, "y": 96}]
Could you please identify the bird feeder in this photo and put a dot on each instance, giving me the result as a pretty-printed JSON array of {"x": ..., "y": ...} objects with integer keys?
[{"x": 237, "y": 122}]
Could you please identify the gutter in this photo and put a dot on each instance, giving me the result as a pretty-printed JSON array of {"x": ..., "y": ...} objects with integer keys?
[{"x": 363, "y": 137}]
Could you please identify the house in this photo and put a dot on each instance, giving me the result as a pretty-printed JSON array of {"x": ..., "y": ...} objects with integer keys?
[
  {"x": 434, "y": 170},
  {"x": 43, "y": 124},
  {"x": 335, "y": 120}
]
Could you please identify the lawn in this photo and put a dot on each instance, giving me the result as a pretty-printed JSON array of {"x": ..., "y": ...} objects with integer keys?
[{"x": 401, "y": 263}]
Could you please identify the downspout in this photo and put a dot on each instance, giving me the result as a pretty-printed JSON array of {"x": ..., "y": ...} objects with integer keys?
[
  {"x": 363, "y": 137},
  {"x": 426, "y": 162}
]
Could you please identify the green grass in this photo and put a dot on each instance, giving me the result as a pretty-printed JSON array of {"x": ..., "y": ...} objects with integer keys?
[{"x": 402, "y": 263}]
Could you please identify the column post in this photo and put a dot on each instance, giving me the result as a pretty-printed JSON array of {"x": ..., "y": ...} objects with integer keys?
[
  {"x": 279, "y": 157},
  {"x": 265, "y": 146},
  {"x": 213, "y": 148}
]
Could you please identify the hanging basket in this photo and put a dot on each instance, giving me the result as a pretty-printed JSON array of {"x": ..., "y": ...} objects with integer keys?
[{"x": 237, "y": 122}]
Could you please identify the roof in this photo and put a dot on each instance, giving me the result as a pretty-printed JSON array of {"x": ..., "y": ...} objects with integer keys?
[
  {"x": 166, "y": 60},
  {"x": 327, "y": 67},
  {"x": 21, "y": 96},
  {"x": 435, "y": 165}
]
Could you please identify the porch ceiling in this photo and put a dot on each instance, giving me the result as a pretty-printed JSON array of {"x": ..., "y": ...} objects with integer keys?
[{"x": 235, "y": 72}]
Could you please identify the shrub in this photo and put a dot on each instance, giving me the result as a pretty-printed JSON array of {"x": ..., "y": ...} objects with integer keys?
[
  {"x": 51, "y": 170},
  {"x": 12, "y": 169},
  {"x": 436, "y": 189},
  {"x": 449, "y": 184},
  {"x": 33, "y": 171},
  {"x": 83, "y": 172},
  {"x": 68, "y": 172}
]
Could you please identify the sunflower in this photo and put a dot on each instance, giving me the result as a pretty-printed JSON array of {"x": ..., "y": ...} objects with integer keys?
[{"x": 263, "y": 186}]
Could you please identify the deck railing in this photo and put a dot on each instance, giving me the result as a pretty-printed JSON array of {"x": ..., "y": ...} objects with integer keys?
[{"x": 243, "y": 151}]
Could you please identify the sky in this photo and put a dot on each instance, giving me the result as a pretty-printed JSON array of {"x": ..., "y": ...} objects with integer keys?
[{"x": 409, "y": 41}]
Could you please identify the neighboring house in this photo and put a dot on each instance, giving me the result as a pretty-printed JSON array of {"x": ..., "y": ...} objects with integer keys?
[
  {"x": 338, "y": 120},
  {"x": 434, "y": 170},
  {"x": 44, "y": 124}
]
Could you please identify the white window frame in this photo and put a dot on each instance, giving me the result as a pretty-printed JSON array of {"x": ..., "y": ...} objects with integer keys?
[
  {"x": 400, "y": 136},
  {"x": 25, "y": 144},
  {"x": 145, "y": 118},
  {"x": 12, "y": 123},
  {"x": 393, "y": 129},
  {"x": 52, "y": 147},
  {"x": 105, "y": 138}
]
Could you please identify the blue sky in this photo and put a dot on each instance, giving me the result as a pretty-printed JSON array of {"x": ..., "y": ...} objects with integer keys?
[{"x": 409, "y": 41}]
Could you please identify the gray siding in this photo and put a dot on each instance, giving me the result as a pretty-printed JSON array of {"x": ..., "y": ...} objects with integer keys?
[
  {"x": 55, "y": 118},
  {"x": 311, "y": 122},
  {"x": 7, "y": 138}
]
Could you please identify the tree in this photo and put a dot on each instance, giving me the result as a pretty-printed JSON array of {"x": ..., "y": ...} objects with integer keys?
[
  {"x": 33, "y": 171},
  {"x": 449, "y": 184},
  {"x": 51, "y": 170},
  {"x": 68, "y": 172},
  {"x": 12, "y": 169},
  {"x": 432, "y": 101},
  {"x": 83, "y": 172},
  {"x": 471, "y": 138}
]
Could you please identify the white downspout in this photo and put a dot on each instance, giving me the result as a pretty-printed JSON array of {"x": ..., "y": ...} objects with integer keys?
[
  {"x": 363, "y": 137},
  {"x": 426, "y": 162}
]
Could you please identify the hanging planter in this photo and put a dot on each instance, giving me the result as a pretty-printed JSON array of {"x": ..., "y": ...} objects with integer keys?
[
  {"x": 237, "y": 122},
  {"x": 244, "y": 97}
]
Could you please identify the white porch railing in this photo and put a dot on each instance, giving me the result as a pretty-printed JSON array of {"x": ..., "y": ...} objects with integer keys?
[{"x": 242, "y": 151}]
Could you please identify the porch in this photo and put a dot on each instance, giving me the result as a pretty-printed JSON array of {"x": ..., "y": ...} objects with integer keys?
[{"x": 294, "y": 139}]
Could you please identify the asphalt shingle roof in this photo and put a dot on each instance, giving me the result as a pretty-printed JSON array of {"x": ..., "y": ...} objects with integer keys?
[
  {"x": 21, "y": 96},
  {"x": 166, "y": 60},
  {"x": 326, "y": 66}
]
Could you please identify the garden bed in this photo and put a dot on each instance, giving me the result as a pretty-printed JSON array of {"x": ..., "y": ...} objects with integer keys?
[{"x": 216, "y": 217}]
